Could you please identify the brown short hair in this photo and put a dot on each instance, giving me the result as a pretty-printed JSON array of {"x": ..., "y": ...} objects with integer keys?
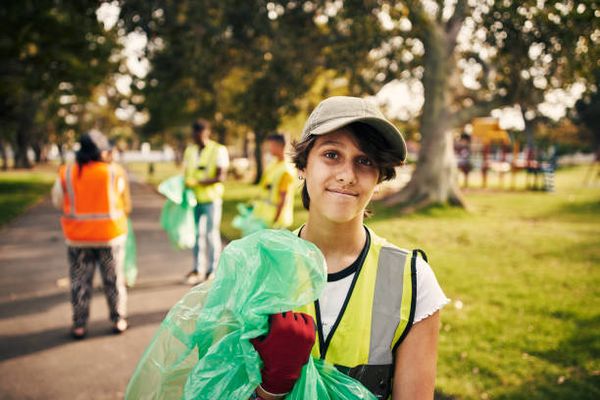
[{"x": 369, "y": 141}]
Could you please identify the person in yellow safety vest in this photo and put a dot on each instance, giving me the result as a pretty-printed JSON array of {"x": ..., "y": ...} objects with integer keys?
[
  {"x": 378, "y": 318},
  {"x": 205, "y": 169},
  {"x": 275, "y": 205},
  {"x": 93, "y": 195}
]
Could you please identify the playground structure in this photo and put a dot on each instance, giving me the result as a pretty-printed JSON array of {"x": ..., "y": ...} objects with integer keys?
[{"x": 490, "y": 149}]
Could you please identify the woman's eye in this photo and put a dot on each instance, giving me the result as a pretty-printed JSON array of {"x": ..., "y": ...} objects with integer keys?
[
  {"x": 365, "y": 161},
  {"x": 331, "y": 154}
]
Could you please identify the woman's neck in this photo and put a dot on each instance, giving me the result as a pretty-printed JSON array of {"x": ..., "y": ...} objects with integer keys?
[{"x": 341, "y": 244}]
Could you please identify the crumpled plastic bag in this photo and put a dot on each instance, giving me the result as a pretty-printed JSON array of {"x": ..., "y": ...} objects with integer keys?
[
  {"x": 202, "y": 349},
  {"x": 130, "y": 263},
  {"x": 177, "y": 215},
  {"x": 246, "y": 221}
]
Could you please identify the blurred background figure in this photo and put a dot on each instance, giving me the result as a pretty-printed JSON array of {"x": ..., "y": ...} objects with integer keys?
[
  {"x": 94, "y": 196},
  {"x": 205, "y": 169},
  {"x": 275, "y": 205}
]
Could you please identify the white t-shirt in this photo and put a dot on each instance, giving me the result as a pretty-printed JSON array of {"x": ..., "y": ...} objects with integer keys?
[
  {"x": 222, "y": 160},
  {"x": 430, "y": 297}
]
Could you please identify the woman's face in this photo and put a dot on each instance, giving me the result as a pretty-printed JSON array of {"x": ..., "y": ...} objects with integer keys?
[{"x": 340, "y": 177}]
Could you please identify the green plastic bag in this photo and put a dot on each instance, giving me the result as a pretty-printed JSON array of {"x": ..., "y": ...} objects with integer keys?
[
  {"x": 130, "y": 263},
  {"x": 177, "y": 215},
  {"x": 246, "y": 222},
  {"x": 202, "y": 349}
]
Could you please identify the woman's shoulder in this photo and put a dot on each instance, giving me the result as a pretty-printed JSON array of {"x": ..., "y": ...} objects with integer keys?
[{"x": 382, "y": 243}]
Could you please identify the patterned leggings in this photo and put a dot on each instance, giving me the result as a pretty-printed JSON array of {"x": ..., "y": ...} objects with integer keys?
[{"x": 82, "y": 261}]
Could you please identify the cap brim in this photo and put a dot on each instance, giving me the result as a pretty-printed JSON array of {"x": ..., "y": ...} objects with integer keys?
[{"x": 390, "y": 133}]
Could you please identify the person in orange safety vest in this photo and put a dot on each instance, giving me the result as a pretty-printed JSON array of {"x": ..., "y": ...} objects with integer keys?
[{"x": 93, "y": 195}]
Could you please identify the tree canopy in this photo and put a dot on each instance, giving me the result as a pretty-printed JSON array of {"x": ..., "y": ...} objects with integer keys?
[{"x": 53, "y": 54}]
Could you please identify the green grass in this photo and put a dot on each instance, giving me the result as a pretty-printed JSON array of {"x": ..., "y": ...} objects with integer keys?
[
  {"x": 21, "y": 189},
  {"x": 155, "y": 174},
  {"x": 524, "y": 267},
  {"x": 521, "y": 268}
]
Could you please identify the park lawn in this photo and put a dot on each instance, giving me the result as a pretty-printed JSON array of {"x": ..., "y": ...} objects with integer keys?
[
  {"x": 22, "y": 188},
  {"x": 155, "y": 174},
  {"x": 521, "y": 269}
]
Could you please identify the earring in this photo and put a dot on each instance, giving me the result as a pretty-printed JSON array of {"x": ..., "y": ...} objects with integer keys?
[{"x": 300, "y": 177}]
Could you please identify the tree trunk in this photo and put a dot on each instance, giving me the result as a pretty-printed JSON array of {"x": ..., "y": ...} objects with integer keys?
[
  {"x": 434, "y": 180},
  {"x": 3, "y": 154},
  {"x": 25, "y": 132},
  {"x": 529, "y": 130},
  {"x": 37, "y": 152},
  {"x": 258, "y": 140}
]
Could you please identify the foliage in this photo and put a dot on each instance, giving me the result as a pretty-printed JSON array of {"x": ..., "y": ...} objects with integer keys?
[
  {"x": 53, "y": 54},
  {"x": 471, "y": 57},
  {"x": 245, "y": 62},
  {"x": 253, "y": 62}
]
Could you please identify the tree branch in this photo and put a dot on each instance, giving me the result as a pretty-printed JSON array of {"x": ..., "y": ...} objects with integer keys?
[
  {"x": 422, "y": 25},
  {"x": 440, "y": 13},
  {"x": 455, "y": 23},
  {"x": 480, "y": 108},
  {"x": 484, "y": 65}
]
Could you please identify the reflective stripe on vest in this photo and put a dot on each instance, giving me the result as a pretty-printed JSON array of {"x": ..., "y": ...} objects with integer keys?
[
  {"x": 375, "y": 318},
  {"x": 93, "y": 219}
]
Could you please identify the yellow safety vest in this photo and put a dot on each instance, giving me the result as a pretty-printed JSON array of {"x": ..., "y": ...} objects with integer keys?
[
  {"x": 375, "y": 317},
  {"x": 202, "y": 165},
  {"x": 265, "y": 207}
]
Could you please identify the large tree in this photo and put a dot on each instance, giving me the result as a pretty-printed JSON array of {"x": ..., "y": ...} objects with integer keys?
[
  {"x": 516, "y": 50},
  {"x": 45, "y": 44},
  {"x": 247, "y": 62}
]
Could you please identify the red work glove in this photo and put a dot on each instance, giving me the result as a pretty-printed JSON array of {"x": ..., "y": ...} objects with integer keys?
[{"x": 285, "y": 350}]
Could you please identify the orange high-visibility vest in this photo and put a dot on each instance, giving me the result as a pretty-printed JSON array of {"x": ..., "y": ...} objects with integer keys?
[{"x": 93, "y": 210}]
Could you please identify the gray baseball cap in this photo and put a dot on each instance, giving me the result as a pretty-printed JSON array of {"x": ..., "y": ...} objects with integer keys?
[{"x": 336, "y": 112}]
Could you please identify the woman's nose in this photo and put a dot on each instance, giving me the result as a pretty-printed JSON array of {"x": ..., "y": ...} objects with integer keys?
[{"x": 346, "y": 175}]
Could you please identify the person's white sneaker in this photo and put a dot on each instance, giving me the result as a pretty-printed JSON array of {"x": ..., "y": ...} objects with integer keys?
[
  {"x": 193, "y": 278},
  {"x": 120, "y": 326}
]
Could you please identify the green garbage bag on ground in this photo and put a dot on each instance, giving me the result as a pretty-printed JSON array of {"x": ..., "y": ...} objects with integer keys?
[
  {"x": 202, "y": 349},
  {"x": 130, "y": 263},
  {"x": 246, "y": 222},
  {"x": 177, "y": 215}
]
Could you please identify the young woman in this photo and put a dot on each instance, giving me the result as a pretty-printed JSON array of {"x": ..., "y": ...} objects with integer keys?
[
  {"x": 93, "y": 194},
  {"x": 378, "y": 318}
]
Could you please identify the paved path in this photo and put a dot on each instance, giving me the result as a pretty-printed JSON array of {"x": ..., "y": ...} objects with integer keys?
[{"x": 38, "y": 360}]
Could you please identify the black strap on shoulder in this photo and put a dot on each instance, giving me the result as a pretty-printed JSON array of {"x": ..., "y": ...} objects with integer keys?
[{"x": 423, "y": 255}]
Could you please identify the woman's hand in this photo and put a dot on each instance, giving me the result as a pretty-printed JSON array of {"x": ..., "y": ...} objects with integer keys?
[{"x": 285, "y": 350}]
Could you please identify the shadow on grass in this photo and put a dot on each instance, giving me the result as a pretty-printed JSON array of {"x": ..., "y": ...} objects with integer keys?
[
  {"x": 581, "y": 348},
  {"x": 382, "y": 212},
  {"x": 578, "y": 211},
  {"x": 442, "y": 396}
]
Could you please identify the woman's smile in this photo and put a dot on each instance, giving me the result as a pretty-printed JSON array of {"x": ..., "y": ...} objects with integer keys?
[{"x": 344, "y": 193}]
